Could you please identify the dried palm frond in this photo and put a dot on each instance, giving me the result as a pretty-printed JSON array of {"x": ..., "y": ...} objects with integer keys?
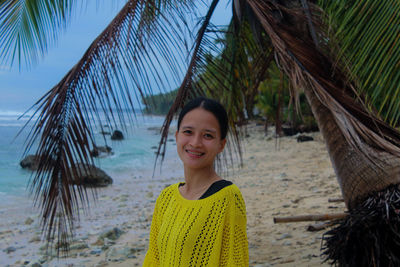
[{"x": 369, "y": 235}]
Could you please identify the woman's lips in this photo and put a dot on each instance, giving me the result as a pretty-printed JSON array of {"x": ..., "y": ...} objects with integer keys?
[{"x": 195, "y": 154}]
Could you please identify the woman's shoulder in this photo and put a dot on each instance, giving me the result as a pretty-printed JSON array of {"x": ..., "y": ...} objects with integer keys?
[
  {"x": 167, "y": 191},
  {"x": 233, "y": 188},
  {"x": 231, "y": 191}
]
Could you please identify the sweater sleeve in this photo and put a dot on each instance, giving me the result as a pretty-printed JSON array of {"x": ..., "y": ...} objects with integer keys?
[
  {"x": 152, "y": 255},
  {"x": 234, "y": 251}
]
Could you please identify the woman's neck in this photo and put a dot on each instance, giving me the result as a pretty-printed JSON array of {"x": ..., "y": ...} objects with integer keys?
[{"x": 197, "y": 182}]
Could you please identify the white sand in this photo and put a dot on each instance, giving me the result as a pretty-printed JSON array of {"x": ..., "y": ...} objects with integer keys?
[{"x": 279, "y": 178}]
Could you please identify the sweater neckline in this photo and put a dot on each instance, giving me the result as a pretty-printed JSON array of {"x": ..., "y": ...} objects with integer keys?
[{"x": 183, "y": 199}]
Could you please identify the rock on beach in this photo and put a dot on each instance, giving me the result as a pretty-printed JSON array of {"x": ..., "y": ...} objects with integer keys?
[{"x": 90, "y": 175}]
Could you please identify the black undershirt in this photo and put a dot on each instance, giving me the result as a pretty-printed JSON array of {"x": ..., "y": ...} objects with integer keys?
[{"x": 214, "y": 188}]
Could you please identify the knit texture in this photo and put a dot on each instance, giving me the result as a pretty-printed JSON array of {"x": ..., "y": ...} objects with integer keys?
[{"x": 204, "y": 232}]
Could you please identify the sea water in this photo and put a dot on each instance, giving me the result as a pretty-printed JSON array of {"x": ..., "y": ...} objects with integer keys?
[{"x": 135, "y": 154}]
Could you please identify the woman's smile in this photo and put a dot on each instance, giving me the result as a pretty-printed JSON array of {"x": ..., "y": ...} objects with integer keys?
[{"x": 194, "y": 153}]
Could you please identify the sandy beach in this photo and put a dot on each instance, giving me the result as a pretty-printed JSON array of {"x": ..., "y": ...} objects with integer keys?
[{"x": 280, "y": 177}]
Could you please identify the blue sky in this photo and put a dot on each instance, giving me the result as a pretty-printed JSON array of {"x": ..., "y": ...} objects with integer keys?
[{"x": 21, "y": 89}]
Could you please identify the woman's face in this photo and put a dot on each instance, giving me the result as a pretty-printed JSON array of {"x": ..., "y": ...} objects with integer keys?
[{"x": 198, "y": 139}]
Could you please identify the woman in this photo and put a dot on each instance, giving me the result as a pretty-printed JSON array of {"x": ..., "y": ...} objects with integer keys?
[{"x": 201, "y": 222}]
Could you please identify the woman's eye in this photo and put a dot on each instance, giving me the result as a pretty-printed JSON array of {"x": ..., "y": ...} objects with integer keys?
[
  {"x": 208, "y": 136},
  {"x": 187, "y": 131}
]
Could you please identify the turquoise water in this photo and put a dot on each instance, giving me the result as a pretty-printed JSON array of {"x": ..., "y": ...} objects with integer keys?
[{"x": 134, "y": 153}]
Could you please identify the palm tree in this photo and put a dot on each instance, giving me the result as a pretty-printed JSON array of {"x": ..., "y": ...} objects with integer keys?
[{"x": 336, "y": 77}]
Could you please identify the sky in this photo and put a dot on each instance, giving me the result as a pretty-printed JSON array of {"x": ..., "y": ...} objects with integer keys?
[{"x": 19, "y": 90}]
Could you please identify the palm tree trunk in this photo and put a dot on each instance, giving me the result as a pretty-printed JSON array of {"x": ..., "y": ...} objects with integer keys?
[{"x": 357, "y": 175}]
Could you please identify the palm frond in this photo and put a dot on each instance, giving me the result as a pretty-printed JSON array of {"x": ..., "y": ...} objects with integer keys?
[
  {"x": 312, "y": 67},
  {"x": 29, "y": 27},
  {"x": 368, "y": 37},
  {"x": 130, "y": 55}
]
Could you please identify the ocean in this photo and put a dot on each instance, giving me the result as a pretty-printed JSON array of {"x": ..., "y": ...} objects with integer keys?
[{"x": 135, "y": 154}]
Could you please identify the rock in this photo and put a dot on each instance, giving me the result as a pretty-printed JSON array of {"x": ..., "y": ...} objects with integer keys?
[
  {"x": 8, "y": 250},
  {"x": 304, "y": 138},
  {"x": 99, "y": 242},
  {"x": 90, "y": 175},
  {"x": 35, "y": 264},
  {"x": 112, "y": 234},
  {"x": 284, "y": 236},
  {"x": 288, "y": 130},
  {"x": 83, "y": 254},
  {"x": 101, "y": 151},
  {"x": 121, "y": 253},
  {"x": 101, "y": 264},
  {"x": 35, "y": 239},
  {"x": 78, "y": 246},
  {"x": 43, "y": 259},
  {"x": 30, "y": 162},
  {"x": 96, "y": 251},
  {"x": 280, "y": 176},
  {"x": 29, "y": 221},
  {"x": 287, "y": 243},
  {"x": 117, "y": 135}
]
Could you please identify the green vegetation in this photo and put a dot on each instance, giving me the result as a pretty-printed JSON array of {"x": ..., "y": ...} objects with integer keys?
[
  {"x": 277, "y": 105},
  {"x": 159, "y": 104}
]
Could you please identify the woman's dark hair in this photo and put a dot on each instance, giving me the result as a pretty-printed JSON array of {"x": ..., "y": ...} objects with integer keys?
[{"x": 210, "y": 105}]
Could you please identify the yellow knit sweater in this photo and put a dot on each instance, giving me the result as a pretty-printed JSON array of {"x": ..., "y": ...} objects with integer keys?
[{"x": 204, "y": 232}]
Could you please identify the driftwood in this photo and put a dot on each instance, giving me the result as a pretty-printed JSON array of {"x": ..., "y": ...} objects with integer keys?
[
  {"x": 335, "y": 200},
  {"x": 312, "y": 217}
]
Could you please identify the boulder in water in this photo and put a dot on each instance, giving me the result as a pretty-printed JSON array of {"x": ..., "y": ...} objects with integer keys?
[
  {"x": 117, "y": 135},
  {"x": 30, "y": 162},
  {"x": 101, "y": 151}
]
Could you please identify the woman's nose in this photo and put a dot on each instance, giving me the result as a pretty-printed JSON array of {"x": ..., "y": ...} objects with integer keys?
[{"x": 195, "y": 140}]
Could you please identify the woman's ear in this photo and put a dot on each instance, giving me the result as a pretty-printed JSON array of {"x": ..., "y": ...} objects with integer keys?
[
  {"x": 222, "y": 144},
  {"x": 176, "y": 135}
]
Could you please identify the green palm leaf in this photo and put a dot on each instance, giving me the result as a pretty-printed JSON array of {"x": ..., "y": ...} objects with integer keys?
[
  {"x": 29, "y": 27},
  {"x": 368, "y": 36}
]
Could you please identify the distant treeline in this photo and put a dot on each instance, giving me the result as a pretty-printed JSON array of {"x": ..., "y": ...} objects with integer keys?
[{"x": 159, "y": 104}]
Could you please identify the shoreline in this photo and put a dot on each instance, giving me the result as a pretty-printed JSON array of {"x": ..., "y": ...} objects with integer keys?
[{"x": 280, "y": 177}]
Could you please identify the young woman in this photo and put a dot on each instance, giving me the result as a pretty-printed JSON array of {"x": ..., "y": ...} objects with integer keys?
[{"x": 201, "y": 222}]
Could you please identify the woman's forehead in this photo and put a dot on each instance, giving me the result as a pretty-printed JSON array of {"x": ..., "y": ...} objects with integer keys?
[{"x": 200, "y": 118}]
